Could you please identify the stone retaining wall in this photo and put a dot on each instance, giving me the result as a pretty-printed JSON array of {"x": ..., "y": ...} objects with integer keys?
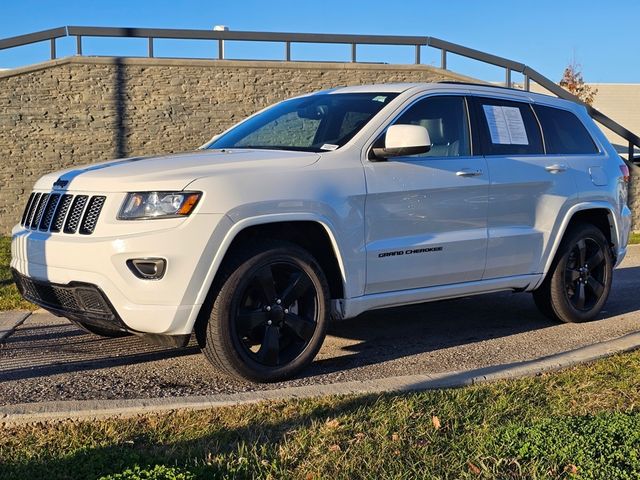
[{"x": 80, "y": 110}]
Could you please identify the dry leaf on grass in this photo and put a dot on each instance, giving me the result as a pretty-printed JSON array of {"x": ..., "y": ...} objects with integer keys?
[
  {"x": 436, "y": 422},
  {"x": 571, "y": 468},
  {"x": 332, "y": 423},
  {"x": 474, "y": 468}
]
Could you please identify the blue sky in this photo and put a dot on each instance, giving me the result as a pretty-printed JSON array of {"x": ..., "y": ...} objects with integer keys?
[{"x": 547, "y": 35}]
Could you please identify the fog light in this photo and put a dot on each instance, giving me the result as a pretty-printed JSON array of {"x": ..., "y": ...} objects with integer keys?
[{"x": 148, "y": 268}]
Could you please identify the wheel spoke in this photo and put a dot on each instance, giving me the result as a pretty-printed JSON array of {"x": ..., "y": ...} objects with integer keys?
[
  {"x": 247, "y": 321},
  {"x": 270, "y": 348},
  {"x": 300, "y": 283},
  {"x": 596, "y": 287},
  {"x": 580, "y": 296},
  {"x": 595, "y": 260},
  {"x": 264, "y": 277},
  {"x": 582, "y": 252},
  {"x": 302, "y": 327}
]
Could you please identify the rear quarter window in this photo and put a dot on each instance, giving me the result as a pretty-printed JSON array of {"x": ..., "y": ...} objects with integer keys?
[
  {"x": 507, "y": 128},
  {"x": 564, "y": 133}
]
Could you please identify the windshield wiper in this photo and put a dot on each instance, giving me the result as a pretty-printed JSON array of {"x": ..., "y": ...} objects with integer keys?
[{"x": 275, "y": 147}]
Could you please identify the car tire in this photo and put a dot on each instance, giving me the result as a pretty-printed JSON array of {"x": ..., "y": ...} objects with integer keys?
[
  {"x": 579, "y": 281},
  {"x": 103, "y": 331},
  {"x": 269, "y": 311}
]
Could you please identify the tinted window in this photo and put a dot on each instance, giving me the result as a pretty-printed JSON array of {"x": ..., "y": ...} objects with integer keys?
[
  {"x": 315, "y": 123},
  {"x": 445, "y": 118},
  {"x": 563, "y": 132},
  {"x": 508, "y": 128}
]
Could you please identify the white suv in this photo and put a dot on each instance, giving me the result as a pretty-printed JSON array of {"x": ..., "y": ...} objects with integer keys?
[{"x": 329, "y": 205}]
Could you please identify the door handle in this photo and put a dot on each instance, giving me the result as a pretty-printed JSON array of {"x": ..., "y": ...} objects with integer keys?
[
  {"x": 556, "y": 168},
  {"x": 468, "y": 172}
]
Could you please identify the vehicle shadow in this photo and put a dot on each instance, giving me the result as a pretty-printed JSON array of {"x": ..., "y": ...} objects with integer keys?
[
  {"x": 390, "y": 334},
  {"x": 371, "y": 338},
  {"x": 43, "y": 350}
]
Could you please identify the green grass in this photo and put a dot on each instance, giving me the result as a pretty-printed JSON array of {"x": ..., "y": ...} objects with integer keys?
[
  {"x": 634, "y": 238},
  {"x": 580, "y": 423},
  {"x": 10, "y": 299}
]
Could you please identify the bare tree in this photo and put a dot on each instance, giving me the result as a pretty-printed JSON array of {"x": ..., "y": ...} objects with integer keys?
[{"x": 573, "y": 82}]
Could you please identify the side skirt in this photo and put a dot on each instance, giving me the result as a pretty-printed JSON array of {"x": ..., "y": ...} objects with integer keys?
[{"x": 351, "y": 307}]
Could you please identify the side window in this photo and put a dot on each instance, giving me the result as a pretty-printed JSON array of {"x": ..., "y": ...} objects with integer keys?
[
  {"x": 563, "y": 132},
  {"x": 445, "y": 118},
  {"x": 508, "y": 128}
]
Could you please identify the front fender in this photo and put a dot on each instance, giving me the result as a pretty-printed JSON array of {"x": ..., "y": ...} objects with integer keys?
[{"x": 221, "y": 242}]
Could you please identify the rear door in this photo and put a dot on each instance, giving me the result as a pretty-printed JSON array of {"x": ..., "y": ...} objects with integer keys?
[
  {"x": 426, "y": 215},
  {"x": 529, "y": 190}
]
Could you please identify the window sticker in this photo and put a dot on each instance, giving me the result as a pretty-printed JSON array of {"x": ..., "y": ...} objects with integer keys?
[
  {"x": 380, "y": 98},
  {"x": 329, "y": 146},
  {"x": 506, "y": 125}
]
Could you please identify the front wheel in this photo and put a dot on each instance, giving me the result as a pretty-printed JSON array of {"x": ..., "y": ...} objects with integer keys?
[
  {"x": 579, "y": 281},
  {"x": 269, "y": 314}
]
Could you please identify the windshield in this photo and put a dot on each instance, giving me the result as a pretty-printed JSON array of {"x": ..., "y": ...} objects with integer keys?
[{"x": 316, "y": 123}]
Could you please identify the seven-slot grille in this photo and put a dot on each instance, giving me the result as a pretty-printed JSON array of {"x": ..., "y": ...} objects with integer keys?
[{"x": 56, "y": 212}]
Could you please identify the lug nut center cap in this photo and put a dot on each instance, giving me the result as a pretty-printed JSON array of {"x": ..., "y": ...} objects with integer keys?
[{"x": 277, "y": 313}]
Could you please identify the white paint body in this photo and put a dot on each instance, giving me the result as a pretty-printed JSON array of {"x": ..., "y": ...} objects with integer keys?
[{"x": 498, "y": 229}]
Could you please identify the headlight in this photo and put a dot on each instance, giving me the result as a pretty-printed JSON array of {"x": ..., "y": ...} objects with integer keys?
[{"x": 158, "y": 205}]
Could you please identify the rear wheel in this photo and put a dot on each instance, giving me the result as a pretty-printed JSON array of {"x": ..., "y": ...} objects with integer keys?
[
  {"x": 579, "y": 281},
  {"x": 269, "y": 313}
]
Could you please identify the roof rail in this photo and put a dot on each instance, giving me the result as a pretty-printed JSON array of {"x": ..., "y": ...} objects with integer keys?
[{"x": 417, "y": 42}]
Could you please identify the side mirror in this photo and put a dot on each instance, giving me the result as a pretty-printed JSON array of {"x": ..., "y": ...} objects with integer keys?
[{"x": 403, "y": 140}]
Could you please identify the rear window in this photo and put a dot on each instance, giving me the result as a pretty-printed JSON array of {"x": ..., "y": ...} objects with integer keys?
[
  {"x": 508, "y": 128},
  {"x": 563, "y": 132}
]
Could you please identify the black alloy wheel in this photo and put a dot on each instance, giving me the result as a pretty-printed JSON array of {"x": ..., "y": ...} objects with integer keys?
[
  {"x": 268, "y": 313},
  {"x": 585, "y": 274},
  {"x": 578, "y": 283},
  {"x": 277, "y": 314}
]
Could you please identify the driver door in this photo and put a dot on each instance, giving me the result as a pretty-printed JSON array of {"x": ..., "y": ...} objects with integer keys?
[{"x": 426, "y": 214}]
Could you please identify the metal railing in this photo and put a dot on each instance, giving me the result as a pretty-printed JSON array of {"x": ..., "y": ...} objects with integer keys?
[{"x": 220, "y": 36}]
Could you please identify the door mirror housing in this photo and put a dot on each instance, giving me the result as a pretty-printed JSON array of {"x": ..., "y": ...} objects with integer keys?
[{"x": 403, "y": 140}]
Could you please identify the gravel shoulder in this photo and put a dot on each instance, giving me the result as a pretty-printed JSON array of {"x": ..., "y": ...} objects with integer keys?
[{"x": 49, "y": 359}]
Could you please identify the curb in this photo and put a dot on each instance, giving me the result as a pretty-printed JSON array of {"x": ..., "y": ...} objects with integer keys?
[
  {"x": 92, "y": 409},
  {"x": 9, "y": 321}
]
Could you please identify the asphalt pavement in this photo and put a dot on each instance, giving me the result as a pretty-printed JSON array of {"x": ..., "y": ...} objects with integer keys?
[{"x": 48, "y": 359}]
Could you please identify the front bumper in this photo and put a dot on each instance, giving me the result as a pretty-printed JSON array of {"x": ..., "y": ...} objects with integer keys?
[
  {"x": 79, "y": 302},
  {"x": 62, "y": 262}
]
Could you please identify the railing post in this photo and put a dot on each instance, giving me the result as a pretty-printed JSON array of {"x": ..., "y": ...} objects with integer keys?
[
  {"x": 527, "y": 83},
  {"x": 150, "y": 47},
  {"x": 417, "y": 54},
  {"x": 79, "y": 45},
  {"x": 53, "y": 49},
  {"x": 353, "y": 53},
  {"x": 507, "y": 77},
  {"x": 287, "y": 50},
  {"x": 220, "y": 49},
  {"x": 443, "y": 59}
]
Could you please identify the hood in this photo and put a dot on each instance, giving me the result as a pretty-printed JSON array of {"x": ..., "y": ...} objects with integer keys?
[{"x": 171, "y": 172}]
